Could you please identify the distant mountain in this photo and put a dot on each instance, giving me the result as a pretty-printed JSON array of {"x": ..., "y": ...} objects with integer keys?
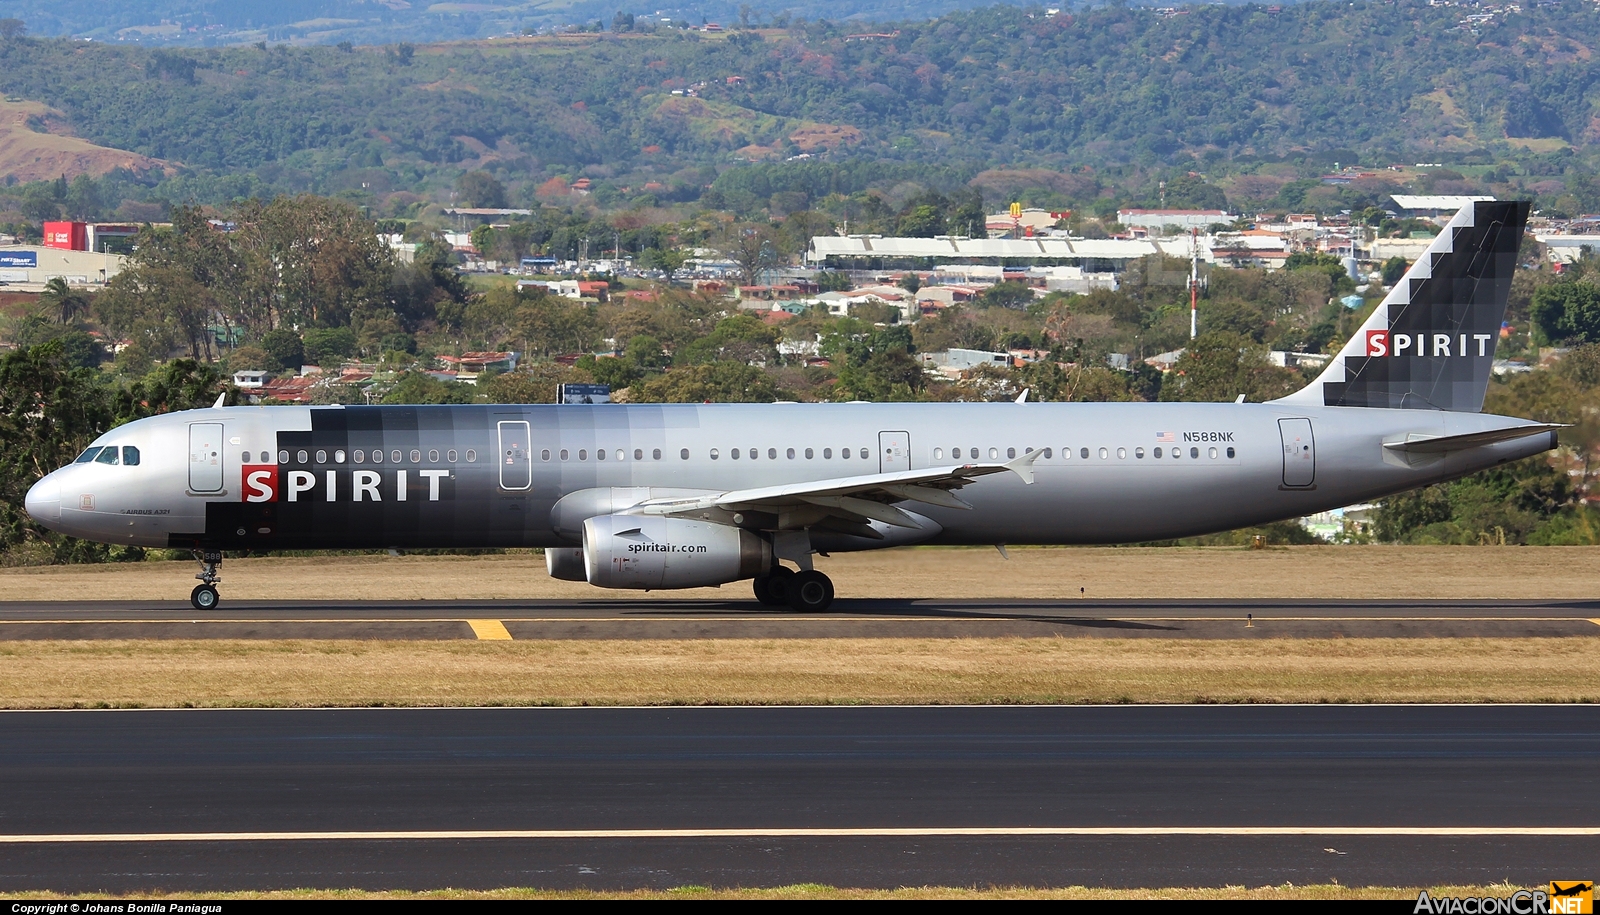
[{"x": 216, "y": 23}]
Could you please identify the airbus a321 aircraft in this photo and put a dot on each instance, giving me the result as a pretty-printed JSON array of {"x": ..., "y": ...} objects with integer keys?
[{"x": 685, "y": 496}]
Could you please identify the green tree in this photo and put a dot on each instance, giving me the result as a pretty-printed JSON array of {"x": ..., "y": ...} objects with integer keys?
[
  {"x": 719, "y": 382},
  {"x": 1568, "y": 311},
  {"x": 1219, "y": 366},
  {"x": 326, "y": 344},
  {"x": 1393, "y": 269},
  {"x": 422, "y": 388},
  {"x": 285, "y": 347},
  {"x": 481, "y": 189},
  {"x": 49, "y": 411}
]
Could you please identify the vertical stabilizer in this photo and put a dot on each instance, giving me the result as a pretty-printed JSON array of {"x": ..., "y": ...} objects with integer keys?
[{"x": 1430, "y": 344}]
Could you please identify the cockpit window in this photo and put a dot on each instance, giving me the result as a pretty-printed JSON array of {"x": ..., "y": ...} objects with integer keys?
[
  {"x": 108, "y": 455},
  {"x": 130, "y": 456},
  {"x": 87, "y": 455}
]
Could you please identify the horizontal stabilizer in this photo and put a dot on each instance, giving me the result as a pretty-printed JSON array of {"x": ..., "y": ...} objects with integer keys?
[{"x": 1438, "y": 444}]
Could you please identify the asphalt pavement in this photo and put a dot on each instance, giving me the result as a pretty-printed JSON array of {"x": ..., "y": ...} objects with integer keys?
[{"x": 205, "y": 800}]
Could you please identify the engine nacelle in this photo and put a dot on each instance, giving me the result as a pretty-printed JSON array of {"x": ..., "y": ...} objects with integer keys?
[
  {"x": 567, "y": 515},
  {"x": 564, "y": 562},
  {"x": 649, "y": 553}
]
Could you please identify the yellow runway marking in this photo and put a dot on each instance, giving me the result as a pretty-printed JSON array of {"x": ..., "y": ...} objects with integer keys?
[
  {"x": 887, "y": 832},
  {"x": 839, "y": 619},
  {"x": 489, "y": 630}
]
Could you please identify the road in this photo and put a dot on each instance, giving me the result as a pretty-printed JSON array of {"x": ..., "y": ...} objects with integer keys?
[
  {"x": 873, "y": 797},
  {"x": 739, "y": 618}
]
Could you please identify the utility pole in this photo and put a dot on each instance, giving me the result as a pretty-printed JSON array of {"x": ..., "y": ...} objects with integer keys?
[{"x": 1194, "y": 281}]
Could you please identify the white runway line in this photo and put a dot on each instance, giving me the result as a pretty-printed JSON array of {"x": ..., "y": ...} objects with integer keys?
[{"x": 894, "y": 832}]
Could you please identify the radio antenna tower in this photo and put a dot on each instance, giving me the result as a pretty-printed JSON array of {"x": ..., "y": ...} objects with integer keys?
[{"x": 1194, "y": 282}]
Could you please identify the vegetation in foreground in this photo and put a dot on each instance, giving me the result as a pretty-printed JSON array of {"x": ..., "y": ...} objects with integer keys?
[{"x": 1027, "y": 671}]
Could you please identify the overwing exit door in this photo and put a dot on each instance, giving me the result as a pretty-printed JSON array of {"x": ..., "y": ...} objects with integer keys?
[
  {"x": 894, "y": 451},
  {"x": 205, "y": 457},
  {"x": 1299, "y": 452},
  {"x": 516, "y": 456}
]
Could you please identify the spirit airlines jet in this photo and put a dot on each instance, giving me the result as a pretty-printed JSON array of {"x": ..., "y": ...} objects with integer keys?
[{"x": 684, "y": 496}]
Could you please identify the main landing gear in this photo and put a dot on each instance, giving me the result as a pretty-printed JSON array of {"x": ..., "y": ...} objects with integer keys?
[
  {"x": 204, "y": 596},
  {"x": 809, "y": 591}
]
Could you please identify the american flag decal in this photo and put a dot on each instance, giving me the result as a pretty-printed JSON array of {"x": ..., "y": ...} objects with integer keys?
[{"x": 1166, "y": 437}]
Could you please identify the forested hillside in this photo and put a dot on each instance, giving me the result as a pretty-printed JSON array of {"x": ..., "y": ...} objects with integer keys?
[{"x": 1218, "y": 88}]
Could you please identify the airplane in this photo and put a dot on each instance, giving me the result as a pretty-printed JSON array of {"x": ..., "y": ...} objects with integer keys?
[{"x": 664, "y": 496}]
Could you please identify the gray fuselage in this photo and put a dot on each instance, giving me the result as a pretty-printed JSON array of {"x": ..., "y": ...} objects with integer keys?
[{"x": 474, "y": 476}]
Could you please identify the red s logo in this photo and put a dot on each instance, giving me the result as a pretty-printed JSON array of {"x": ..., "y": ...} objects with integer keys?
[
  {"x": 260, "y": 483},
  {"x": 1377, "y": 343}
]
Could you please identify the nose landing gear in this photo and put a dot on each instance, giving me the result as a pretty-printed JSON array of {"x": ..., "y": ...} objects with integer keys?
[{"x": 204, "y": 596}]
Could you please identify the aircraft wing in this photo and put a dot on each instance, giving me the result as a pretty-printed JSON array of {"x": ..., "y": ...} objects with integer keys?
[{"x": 853, "y": 500}]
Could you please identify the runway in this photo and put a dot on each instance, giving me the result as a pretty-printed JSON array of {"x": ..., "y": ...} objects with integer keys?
[
  {"x": 872, "y": 797},
  {"x": 744, "y": 618}
]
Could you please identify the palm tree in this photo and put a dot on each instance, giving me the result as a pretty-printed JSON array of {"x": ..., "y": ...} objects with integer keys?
[{"x": 63, "y": 300}]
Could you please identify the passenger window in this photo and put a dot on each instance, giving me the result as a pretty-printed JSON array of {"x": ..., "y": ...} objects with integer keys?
[
  {"x": 772, "y": 454},
  {"x": 1011, "y": 452},
  {"x": 108, "y": 455},
  {"x": 1157, "y": 452},
  {"x": 130, "y": 456},
  {"x": 358, "y": 456},
  {"x": 808, "y": 454},
  {"x": 450, "y": 455},
  {"x": 338, "y": 456},
  {"x": 87, "y": 455},
  {"x": 713, "y": 454},
  {"x": 790, "y": 454},
  {"x": 1194, "y": 452},
  {"x": 638, "y": 454},
  {"x": 734, "y": 454},
  {"x": 684, "y": 454},
  {"x": 322, "y": 457},
  {"x": 1047, "y": 454},
  {"x": 1138, "y": 453},
  {"x": 994, "y": 453},
  {"x": 844, "y": 454},
  {"x": 973, "y": 453},
  {"x": 826, "y": 452},
  {"x": 583, "y": 454},
  {"x": 1104, "y": 454},
  {"x": 655, "y": 455},
  {"x": 1211, "y": 453},
  {"x": 863, "y": 454},
  {"x": 283, "y": 457},
  {"x": 754, "y": 453},
  {"x": 599, "y": 454},
  {"x": 472, "y": 455},
  {"x": 938, "y": 454},
  {"x": 433, "y": 456},
  {"x": 1122, "y": 454},
  {"x": 416, "y": 456},
  {"x": 300, "y": 457},
  {"x": 1084, "y": 453},
  {"x": 394, "y": 456},
  {"x": 621, "y": 455},
  {"x": 543, "y": 455},
  {"x": 563, "y": 454},
  {"x": 1230, "y": 454}
]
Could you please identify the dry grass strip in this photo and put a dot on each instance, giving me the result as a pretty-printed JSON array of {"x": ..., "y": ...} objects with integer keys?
[
  {"x": 1052, "y": 573},
  {"x": 1285, "y": 893},
  {"x": 308, "y": 673}
]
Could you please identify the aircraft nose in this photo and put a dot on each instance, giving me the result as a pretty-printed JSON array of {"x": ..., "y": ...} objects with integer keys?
[{"x": 44, "y": 500}]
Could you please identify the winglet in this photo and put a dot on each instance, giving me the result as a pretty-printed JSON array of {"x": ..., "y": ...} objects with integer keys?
[
  {"x": 1023, "y": 397},
  {"x": 1023, "y": 466},
  {"x": 221, "y": 399}
]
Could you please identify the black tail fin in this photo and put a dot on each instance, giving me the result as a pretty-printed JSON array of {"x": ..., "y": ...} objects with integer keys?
[{"x": 1430, "y": 345}]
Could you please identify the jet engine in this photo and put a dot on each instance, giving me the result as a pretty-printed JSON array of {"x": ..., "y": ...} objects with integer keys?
[
  {"x": 564, "y": 563},
  {"x": 649, "y": 553}
]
